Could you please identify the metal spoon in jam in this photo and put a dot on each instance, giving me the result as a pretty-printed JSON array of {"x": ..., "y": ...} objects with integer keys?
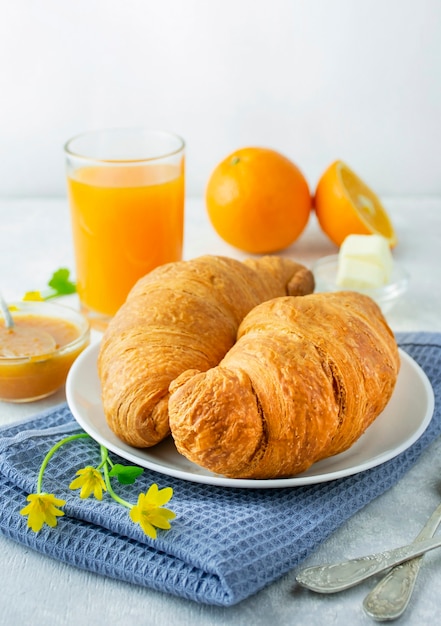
[{"x": 22, "y": 341}]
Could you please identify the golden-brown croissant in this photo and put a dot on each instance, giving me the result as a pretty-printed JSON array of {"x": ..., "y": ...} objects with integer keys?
[
  {"x": 182, "y": 315},
  {"x": 304, "y": 380}
]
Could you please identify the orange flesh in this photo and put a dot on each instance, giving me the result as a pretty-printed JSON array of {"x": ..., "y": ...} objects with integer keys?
[{"x": 367, "y": 204}]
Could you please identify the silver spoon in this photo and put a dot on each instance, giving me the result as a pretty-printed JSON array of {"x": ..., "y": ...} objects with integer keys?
[
  {"x": 389, "y": 599},
  {"x": 9, "y": 322},
  {"x": 340, "y": 576}
]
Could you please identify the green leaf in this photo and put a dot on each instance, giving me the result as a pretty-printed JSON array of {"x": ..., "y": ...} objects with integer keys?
[
  {"x": 61, "y": 283},
  {"x": 126, "y": 474}
]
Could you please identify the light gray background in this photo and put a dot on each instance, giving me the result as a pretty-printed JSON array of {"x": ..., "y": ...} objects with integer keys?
[{"x": 317, "y": 80}]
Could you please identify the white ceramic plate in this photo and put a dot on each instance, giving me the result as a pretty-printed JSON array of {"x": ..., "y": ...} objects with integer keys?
[{"x": 404, "y": 420}]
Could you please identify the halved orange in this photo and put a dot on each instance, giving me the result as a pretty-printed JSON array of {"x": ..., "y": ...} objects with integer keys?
[{"x": 345, "y": 205}]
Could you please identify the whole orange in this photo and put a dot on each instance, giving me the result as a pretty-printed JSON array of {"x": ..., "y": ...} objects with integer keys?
[
  {"x": 258, "y": 200},
  {"x": 345, "y": 205}
]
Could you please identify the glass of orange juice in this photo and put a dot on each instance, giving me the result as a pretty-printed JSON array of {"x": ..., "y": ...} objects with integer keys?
[{"x": 126, "y": 196}]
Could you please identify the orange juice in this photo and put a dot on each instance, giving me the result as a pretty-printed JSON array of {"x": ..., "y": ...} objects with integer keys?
[{"x": 126, "y": 220}]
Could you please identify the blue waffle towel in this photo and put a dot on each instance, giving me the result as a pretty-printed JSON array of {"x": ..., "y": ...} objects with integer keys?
[{"x": 224, "y": 545}]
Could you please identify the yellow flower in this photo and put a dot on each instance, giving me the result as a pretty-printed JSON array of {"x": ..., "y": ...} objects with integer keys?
[
  {"x": 33, "y": 296},
  {"x": 42, "y": 508},
  {"x": 148, "y": 512},
  {"x": 89, "y": 480}
]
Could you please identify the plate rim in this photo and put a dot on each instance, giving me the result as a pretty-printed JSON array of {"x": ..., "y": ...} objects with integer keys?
[{"x": 130, "y": 453}]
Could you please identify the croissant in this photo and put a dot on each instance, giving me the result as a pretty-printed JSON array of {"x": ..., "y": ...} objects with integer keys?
[
  {"x": 304, "y": 380},
  {"x": 179, "y": 316}
]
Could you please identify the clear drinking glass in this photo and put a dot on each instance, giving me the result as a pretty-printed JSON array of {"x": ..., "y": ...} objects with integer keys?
[{"x": 126, "y": 193}]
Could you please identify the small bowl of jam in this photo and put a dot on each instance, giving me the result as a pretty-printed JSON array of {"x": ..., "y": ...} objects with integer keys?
[{"x": 37, "y": 352}]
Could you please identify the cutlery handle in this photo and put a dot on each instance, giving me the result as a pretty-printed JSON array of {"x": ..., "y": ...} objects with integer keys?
[
  {"x": 389, "y": 599},
  {"x": 333, "y": 578},
  {"x": 9, "y": 322}
]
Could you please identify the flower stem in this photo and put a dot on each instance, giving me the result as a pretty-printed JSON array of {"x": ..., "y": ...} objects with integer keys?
[
  {"x": 104, "y": 458},
  {"x": 104, "y": 463},
  {"x": 52, "y": 451}
]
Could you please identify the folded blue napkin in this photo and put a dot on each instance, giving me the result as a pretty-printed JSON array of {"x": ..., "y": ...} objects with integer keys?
[{"x": 225, "y": 544}]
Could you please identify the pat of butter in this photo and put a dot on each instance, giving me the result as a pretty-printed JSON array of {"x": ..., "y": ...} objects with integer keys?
[{"x": 364, "y": 262}]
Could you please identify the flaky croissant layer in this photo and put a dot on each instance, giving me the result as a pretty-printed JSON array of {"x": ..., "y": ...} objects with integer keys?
[
  {"x": 182, "y": 315},
  {"x": 304, "y": 380}
]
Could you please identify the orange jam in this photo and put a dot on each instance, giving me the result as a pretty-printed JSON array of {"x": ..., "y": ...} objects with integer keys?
[{"x": 36, "y": 354}]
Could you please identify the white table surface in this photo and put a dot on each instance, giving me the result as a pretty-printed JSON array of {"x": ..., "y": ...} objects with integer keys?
[{"x": 34, "y": 241}]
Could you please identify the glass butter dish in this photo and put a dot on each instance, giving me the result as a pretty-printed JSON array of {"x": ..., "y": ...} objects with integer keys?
[{"x": 325, "y": 273}]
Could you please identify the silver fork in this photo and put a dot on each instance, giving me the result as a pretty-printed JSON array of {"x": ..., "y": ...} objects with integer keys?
[
  {"x": 340, "y": 576},
  {"x": 331, "y": 578},
  {"x": 389, "y": 599}
]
